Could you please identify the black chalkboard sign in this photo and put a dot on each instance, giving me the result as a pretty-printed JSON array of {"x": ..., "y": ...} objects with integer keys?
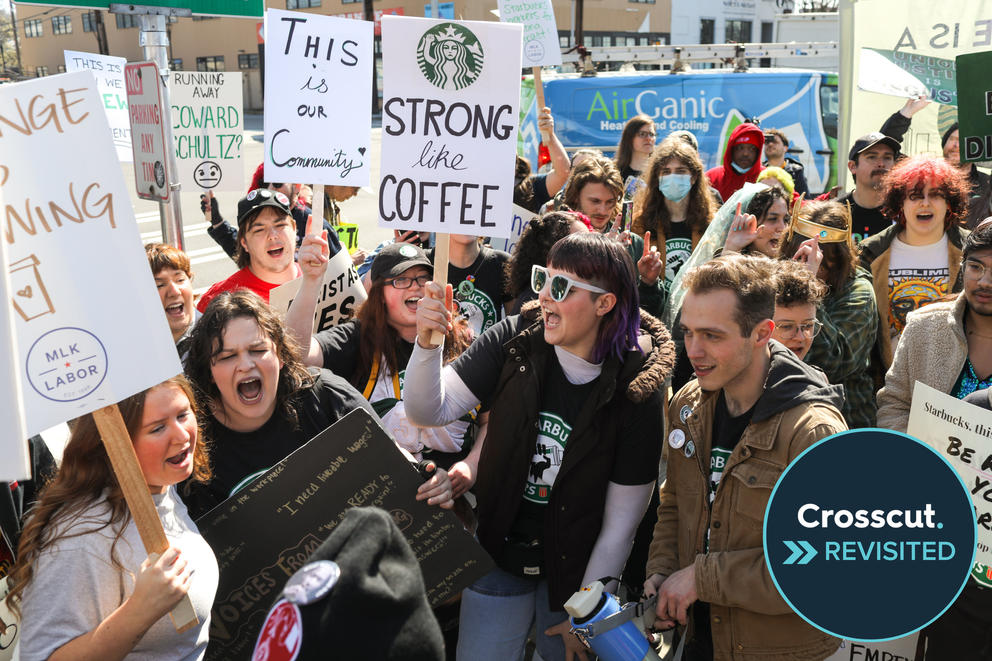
[{"x": 265, "y": 532}]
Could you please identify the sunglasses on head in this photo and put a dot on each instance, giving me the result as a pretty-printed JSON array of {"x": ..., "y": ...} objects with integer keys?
[{"x": 560, "y": 285}]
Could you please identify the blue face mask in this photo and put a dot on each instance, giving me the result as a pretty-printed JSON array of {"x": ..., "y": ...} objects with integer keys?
[
  {"x": 738, "y": 169},
  {"x": 675, "y": 186}
]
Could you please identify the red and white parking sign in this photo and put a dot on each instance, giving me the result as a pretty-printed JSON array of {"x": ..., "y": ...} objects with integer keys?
[{"x": 144, "y": 100}]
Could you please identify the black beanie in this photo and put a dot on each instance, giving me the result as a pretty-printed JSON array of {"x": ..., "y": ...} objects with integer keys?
[
  {"x": 947, "y": 134},
  {"x": 377, "y": 609}
]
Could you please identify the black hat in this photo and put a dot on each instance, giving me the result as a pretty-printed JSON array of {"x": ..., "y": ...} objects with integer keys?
[
  {"x": 872, "y": 139},
  {"x": 261, "y": 197},
  {"x": 947, "y": 134},
  {"x": 397, "y": 257},
  {"x": 368, "y": 602}
]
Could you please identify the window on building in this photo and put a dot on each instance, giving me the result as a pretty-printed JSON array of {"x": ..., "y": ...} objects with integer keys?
[
  {"x": 204, "y": 18},
  {"x": 33, "y": 27},
  {"x": 61, "y": 68},
  {"x": 210, "y": 63},
  {"x": 41, "y": 71},
  {"x": 303, "y": 4},
  {"x": 61, "y": 25},
  {"x": 176, "y": 64},
  {"x": 644, "y": 2},
  {"x": 89, "y": 21},
  {"x": 125, "y": 21},
  {"x": 707, "y": 30},
  {"x": 248, "y": 60},
  {"x": 738, "y": 32}
]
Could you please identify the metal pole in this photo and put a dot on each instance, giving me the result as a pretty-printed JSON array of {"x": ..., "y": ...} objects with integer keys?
[
  {"x": 154, "y": 39},
  {"x": 17, "y": 40}
]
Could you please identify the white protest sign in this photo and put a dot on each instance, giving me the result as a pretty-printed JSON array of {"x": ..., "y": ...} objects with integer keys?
[
  {"x": 900, "y": 649},
  {"x": 541, "y": 47},
  {"x": 521, "y": 219},
  {"x": 451, "y": 91},
  {"x": 207, "y": 125},
  {"x": 340, "y": 294},
  {"x": 16, "y": 464},
  {"x": 89, "y": 323},
  {"x": 962, "y": 433},
  {"x": 109, "y": 72},
  {"x": 318, "y": 95},
  {"x": 144, "y": 107}
]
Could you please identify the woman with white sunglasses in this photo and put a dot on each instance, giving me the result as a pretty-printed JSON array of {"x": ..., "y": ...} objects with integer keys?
[{"x": 574, "y": 440}]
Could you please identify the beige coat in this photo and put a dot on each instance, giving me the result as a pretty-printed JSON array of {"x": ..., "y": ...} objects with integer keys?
[{"x": 932, "y": 349}]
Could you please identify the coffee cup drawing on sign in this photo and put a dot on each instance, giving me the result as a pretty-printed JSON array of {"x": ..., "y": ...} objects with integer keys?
[{"x": 29, "y": 294}]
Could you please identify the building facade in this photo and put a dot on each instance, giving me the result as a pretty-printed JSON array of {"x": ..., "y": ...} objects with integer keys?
[
  {"x": 233, "y": 44},
  {"x": 723, "y": 21}
]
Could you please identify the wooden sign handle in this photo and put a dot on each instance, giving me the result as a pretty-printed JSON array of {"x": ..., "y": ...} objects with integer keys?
[
  {"x": 538, "y": 87},
  {"x": 440, "y": 273},
  {"x": 125, "y": 464},
  {"x": 317, "y": 209}
]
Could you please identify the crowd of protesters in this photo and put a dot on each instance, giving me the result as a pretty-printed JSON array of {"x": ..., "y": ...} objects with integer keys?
[{"x": 557, "y": 399}]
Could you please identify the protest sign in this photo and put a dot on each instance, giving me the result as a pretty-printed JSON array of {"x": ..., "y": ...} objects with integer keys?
[
  {"x": 962, "y": 433},
  {"x": 900, "y": 649},
  {"x": 348, "y": 235},
  {"x": 318, "y": 91},
  {"x": 264, "y": 533},
  {"x": 207, "y": 125},
  {"x": 89, "y": 323},
  {"x": 975, "y": 106},
  {"x": 903, "y": 74},
  {"x": 521, "y": 219},
  {"x": 451, "y": 91},
  {"x": 16, "y": 464},
  {"x": 340, "y": 294},
  {"x": 144, "y": 103},
  {"x": 109, "y": 72},
  {"x": 541, "y": 47}
]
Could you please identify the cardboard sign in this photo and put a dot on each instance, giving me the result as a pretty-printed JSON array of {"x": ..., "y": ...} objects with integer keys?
[
  {"x": 264, "y": 533},
  {"x": 86, "y": 310},
  {"x": 348, "y": 235},
  {"x": 109, "y": 72},
  {"x": 904, "y": 74},
  {"x": 207, "y": 126},
  {"x": 541, "y": 47},
  {"x": 16, "y": 464},
  {"x": 144, "y": 101},
  {"x": 521, "y": 219},
  {"x": 449, "y": 125},
  {"x": 975, "y": 106},
  {"x": 318, "y": 91},
  {"x": 900, "y": 649},
  {"x": 340, "y": 294},
  {"x": 962, "y": 433}
]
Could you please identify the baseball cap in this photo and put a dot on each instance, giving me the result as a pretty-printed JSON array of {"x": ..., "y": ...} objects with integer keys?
[
  {"x": 397, "y": 257},
  {"x": 261, "y": 197},
  {"x": 870, "y": 140}
]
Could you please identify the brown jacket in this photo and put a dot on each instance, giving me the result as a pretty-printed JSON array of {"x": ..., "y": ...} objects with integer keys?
[
  {"x": 876, "y": 253},
  {"x": 748, "y": 617}
]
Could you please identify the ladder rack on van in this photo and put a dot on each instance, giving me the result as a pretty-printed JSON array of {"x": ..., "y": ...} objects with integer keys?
[{"x": 679, "y": 56}]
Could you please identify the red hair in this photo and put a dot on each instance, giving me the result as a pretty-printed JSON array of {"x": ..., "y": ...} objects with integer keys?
[{"x": 914, "y": 174}]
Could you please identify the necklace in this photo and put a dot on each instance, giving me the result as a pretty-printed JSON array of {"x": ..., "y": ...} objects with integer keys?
[{"x": 467, "y": 286}]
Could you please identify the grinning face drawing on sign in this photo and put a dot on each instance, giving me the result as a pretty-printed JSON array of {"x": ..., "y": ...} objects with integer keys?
[{"x": 450, "y": 56}]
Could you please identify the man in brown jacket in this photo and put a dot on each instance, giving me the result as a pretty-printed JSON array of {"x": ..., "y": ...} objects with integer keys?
[{"x": 752, "y": 409}]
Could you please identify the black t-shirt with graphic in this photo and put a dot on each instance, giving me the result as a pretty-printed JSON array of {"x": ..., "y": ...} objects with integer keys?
[
  {"x": 481, "y": 289},
  {"x": 339, "y": 347},
  {"x": 866, "y": 222},
  {"x": 678, "y": 249},
  {"x": 727, "y": 432}
]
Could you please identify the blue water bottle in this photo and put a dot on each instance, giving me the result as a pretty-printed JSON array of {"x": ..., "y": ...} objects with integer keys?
[{"x": 624, "y": 643}]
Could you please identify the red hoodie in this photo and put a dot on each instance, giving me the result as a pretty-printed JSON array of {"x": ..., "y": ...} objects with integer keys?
[{"x": 724, "y": 177}]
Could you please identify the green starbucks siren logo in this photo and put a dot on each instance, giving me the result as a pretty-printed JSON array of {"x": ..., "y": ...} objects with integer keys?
[{"x": 450, "y": 56}]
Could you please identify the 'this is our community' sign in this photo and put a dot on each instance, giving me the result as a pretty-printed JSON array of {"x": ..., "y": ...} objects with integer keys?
[{"x": 449, "y": 125}]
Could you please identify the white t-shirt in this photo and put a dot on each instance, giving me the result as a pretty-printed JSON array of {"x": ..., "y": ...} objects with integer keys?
[{"x": 917, "y": 275}]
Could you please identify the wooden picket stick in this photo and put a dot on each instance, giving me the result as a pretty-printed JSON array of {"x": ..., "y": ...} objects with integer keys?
[
  {"x": 538, "y": 87},
  {"x": 440, "y": 274},
  {"x": 317, "y": 209},
  {"x": 124, "y": 461}
]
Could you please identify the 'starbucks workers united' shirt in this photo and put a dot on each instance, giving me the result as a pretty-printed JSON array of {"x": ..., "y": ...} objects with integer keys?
[
  {"x": 480, "y": 289},
  {"x": 678, "y": 248}
]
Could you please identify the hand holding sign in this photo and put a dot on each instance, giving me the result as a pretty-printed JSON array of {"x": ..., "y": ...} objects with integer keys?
[
  {"x": 163, "y": 581},
  {"x": 314, "y": 251},
  {"x": 433, "y": 316}
]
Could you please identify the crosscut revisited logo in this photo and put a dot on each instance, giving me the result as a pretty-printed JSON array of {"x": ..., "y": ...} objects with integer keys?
[{"x": 870, "y": 535}]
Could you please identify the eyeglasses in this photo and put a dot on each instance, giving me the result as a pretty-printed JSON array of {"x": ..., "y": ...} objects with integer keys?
[
  {"x": 974, "y": 269},
  {"x": 406, "y": 283},
  {"x": 808, "y": 328},
  {"x": 646, "y": 134},
  {"x": 561, "y": 285}
]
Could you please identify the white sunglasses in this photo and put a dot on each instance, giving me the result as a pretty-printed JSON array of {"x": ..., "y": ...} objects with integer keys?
[{"x": 560, "y": 285}]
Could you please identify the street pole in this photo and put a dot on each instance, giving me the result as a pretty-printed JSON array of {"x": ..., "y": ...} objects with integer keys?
[
  {"x": 17, "y": 40},
  {"x": 154, "y": 40}
]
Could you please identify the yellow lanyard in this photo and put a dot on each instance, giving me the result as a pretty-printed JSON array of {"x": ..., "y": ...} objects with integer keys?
[{"x": 374, "y": 376}]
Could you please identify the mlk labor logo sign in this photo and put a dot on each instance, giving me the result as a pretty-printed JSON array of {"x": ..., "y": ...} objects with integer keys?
[{"x": 450, "y": 56}]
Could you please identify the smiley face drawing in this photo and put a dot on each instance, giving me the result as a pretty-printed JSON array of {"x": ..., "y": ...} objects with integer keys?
[{"x": 207, "y": 174}]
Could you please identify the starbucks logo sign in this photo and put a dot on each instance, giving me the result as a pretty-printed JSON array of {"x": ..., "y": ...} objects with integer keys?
[{"x": 450, "y": 56}]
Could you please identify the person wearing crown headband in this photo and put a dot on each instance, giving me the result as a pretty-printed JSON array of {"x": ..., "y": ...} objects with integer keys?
[
  {"x": 820, "y": 237},
  {"x": 675, "y": 205},
  {"x": 917, "y": 260}
]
